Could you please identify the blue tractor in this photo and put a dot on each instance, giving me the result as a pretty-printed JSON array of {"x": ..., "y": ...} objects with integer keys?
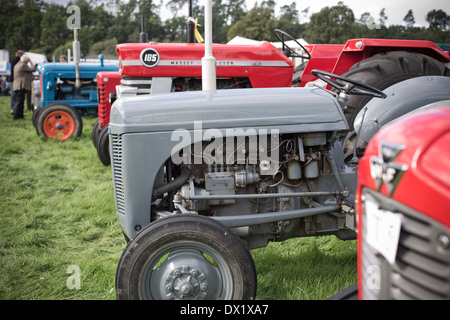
[{"x": 65, "y": 92}]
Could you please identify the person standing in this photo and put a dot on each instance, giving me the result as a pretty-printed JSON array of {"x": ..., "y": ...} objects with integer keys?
[
  {"x": 19, "y": 54},
  {"x": 23, "y": 78}
]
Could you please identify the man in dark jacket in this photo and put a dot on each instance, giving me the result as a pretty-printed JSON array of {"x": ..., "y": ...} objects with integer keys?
[
  {"x": 19, "y": 53},
  {"x": 23, "y": 78}
]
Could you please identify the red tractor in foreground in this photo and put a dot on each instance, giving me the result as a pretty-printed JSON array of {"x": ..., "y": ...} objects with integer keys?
[
  {"x": 403, "y": 194},
  {"x": 147, "y": 68},
  {"x": 403, "y": 206}
]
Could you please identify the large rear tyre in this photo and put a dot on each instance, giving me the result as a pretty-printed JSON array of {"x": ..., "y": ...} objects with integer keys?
[
  {"x": 386, "y": 69},
  {"x": 59, "y": 121},
  {"x": 186, "y": 257},
  {"x": 103, "y": 147}
]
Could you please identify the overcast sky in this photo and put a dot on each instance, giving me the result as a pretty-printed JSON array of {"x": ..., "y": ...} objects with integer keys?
[{"x": 395, "y": 9}]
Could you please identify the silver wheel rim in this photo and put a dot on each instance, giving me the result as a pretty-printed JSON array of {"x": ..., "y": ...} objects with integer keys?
[{"x": 186, "y": 271}]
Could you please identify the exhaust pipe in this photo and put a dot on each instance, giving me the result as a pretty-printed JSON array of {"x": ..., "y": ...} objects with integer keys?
[
  {"x": 143, "y": 36},
  {"x": 76, "y": 58},
  {"x": 190, "y": 24},
  {"x": 208, "y": 61}
]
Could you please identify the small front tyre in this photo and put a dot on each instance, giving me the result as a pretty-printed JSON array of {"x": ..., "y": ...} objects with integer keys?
[
  {"x": 103, "y": 146},
  {"x": 186, "y": 257},
  {"x": 95, "y": 132}
]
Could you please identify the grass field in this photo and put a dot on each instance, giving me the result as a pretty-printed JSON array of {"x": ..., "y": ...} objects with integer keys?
[{"x": 57, "y": 218}]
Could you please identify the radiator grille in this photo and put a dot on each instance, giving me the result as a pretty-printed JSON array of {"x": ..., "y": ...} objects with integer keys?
[
  {"x": 102, "y": 100},
  {"x": 422, "y": 266},
  {"x": 117, "y": 167}
]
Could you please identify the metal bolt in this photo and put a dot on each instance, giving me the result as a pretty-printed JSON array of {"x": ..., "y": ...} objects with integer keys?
[
  {"x": 194, "y": 272},
  {"x": 169, "y": 287},
  {"x": 177, "y": 273},
  {"x": 186, "y": 289},
  {"x": 444, "y": 241},
  {"x": 203, "y": 287}
]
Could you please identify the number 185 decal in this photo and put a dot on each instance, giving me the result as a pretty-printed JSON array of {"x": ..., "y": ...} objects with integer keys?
[{"x": 149, "y": 57}]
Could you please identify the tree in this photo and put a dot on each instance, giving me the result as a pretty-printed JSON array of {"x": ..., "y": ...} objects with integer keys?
[
  {"x": 289, "y": 20},
  {"x": 331, "y": 25},
  {"x": 438, "y": 20},
  {"x": 174, "y": 6},
  {"x": 105, "y": 47},
  {"x": 258, "y": 24},
  {"x": 9, "y": 39},
  {"x": 54, "y": 31},
  {"x": 22, "y": 24},
  {"x": 368, "y": 21},
  {"x": 383, "y": 17},
  {"x": 225, "y": 13},
  {"x": 409, "y": 19},
  {"x": 40, "y": 26},
  {"x": 305, "y": 14}
]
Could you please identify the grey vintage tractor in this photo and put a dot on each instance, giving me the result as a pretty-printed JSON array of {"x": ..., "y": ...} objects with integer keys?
[{"x": 200, "y": 178}]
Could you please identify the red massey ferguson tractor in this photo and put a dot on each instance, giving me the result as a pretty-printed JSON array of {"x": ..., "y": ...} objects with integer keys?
[
  {"x": 404, "y": 209},
  {"x": 148, "y": 68}
]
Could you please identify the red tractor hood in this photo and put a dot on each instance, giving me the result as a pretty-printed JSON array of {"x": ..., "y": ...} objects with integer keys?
[
  {"x": 409, "y": 160},
  {"x": 185, "y": 60}
]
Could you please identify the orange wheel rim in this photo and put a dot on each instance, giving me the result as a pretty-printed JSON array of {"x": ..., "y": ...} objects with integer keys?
[{"x": 59, "y": 124}]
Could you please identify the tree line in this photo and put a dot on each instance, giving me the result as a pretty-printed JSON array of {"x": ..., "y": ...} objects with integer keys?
[{"x": 41, "y": 27}]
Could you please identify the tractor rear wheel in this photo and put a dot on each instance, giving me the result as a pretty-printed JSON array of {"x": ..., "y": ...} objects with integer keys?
[
  {"x": 103, "y": 146},
  {"x": 186, "y": 257},
  {"x": 386, "y": 69},
  {"x": 59, "y": 121}
]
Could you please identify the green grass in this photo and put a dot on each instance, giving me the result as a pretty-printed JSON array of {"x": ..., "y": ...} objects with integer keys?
[{"x": 57, "y": 211}]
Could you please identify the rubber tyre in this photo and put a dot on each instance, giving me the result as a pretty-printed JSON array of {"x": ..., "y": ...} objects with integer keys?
[
  {"x": 103, "y": 147},
  {"x": 59, "y": 114},
  {"x": 185, "y": 233},
  {"x": 35, "y": 116},
  {"x": 95, "y": 132},
  {"x": 386, "y": 69}
]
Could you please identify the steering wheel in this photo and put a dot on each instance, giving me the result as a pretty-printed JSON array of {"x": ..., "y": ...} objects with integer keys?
[
  {"x": 280, "y": 34},
  {"x": 349, "y": 86}
]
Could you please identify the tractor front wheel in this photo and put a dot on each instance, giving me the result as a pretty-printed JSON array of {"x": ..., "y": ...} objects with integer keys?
[
  {"x": 35, "y": 116},
  {"x": 59, "y": 121},
  {"x": 103, "y": 146},
  {"x": 95, "y": 132},
  {"x": 186, "y": 257}
]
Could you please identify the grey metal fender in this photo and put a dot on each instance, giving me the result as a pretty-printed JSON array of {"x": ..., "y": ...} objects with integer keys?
[{"x": 402, "y": 98}]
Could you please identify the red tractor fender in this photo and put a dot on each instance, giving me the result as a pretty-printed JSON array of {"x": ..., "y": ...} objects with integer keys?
[{"x": 338, "y": 59}]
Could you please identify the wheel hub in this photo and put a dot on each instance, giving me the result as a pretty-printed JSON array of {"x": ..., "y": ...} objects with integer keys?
[
  {"x": 187, "y": 282},
  {"x": 59, "y": 124},
  {"x": 186, "y": 274}
]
